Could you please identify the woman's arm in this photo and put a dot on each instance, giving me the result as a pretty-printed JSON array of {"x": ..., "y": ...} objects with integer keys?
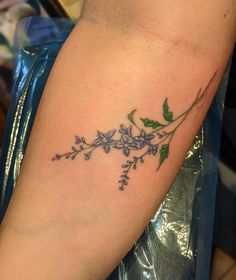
[{"x": 151, "y": 67}]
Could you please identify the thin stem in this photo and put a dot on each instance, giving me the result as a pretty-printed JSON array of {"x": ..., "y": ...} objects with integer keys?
[
  {"x": 75, "y": 152},
  {"x": 137, "y": 126},
  {"x": 164, "y": 139},
  {"x": 198, "y": 98}
]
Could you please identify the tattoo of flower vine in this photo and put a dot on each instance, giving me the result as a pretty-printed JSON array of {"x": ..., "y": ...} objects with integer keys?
[{"x": 152, "y": 139}]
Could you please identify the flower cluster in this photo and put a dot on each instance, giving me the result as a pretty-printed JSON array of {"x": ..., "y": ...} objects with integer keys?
[{"x": 127, "y": 141}]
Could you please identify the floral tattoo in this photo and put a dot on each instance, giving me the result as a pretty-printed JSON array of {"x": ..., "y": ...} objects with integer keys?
[{"x": 152, "y": 139}]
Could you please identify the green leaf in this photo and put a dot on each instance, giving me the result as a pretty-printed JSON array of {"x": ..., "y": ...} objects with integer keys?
[
  {"x": 150, "y": 123},
  {"x": 131, "y": 117},
  {"x": 164, "y": 153},
  {"x": 168, "y": 116}
]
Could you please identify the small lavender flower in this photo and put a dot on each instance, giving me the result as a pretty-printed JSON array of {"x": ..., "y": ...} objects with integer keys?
[
  {"x": 125, "y": 143},
  {"x": 126, "y": 130},
  {"x": 77, "y": 140},
  {"x": 153, "y": 149},
  {"x": 143, "y": 139},
  {"x": 56, "y": 157},
  {"x": 105, "y": 140},
  {"x": 87, "y": 156}
]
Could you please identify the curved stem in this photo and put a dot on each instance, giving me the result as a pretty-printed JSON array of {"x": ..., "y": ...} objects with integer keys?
[
  {"x": 195, "y": 102},
  {"x": 136, "y": 126}
]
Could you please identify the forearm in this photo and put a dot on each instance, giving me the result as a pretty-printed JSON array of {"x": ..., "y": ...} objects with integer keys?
[
  {"x": 76, "y": 206},
  {"x": 198, "y": 25}
]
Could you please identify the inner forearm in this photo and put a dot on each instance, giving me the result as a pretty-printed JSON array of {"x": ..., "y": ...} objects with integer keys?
[{"x": 96, "y": 83}]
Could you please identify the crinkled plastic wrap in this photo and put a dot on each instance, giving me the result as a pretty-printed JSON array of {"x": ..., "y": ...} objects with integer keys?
[
  {"x": 38, "y": 42},
  {"x": 177, "y": 243}
]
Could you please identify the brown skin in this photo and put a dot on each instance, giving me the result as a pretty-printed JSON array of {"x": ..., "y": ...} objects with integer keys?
[{"x": 122, "y": 55}]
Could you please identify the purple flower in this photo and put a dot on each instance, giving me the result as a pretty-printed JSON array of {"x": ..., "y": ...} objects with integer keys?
[
  {"x": 125, "y": 143},
  {"x": 77, "y": 140},
  {"x": 126, "y": 130},
  {"x": 105, "y": 140},
  {"x": 87, "y": 156},
  {"x": 153, "y": 149},
  {"x": 143, "y": 139}
]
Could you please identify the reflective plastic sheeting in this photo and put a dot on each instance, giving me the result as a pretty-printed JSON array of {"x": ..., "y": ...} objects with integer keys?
[
  {"x": 177, "y": 242},
  {"x": 38, "y": 42}
]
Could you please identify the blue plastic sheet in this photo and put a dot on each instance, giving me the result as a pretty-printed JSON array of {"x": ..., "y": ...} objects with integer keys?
[{"x": 38, "y": 42}]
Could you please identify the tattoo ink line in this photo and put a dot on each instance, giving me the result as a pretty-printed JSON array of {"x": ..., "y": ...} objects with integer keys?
[{"x": 155, "y": 143}]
